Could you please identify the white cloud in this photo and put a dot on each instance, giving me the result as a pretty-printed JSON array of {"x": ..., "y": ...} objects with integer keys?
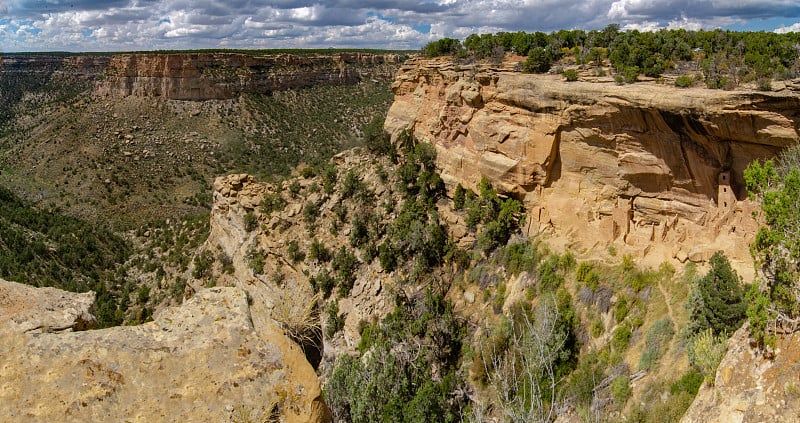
[
  {"x": 795, "y": 27},
  {"x": 146, "y": 24}
]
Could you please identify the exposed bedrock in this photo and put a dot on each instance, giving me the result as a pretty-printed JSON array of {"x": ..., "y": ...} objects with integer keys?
[{"x": 648, "y": 167}]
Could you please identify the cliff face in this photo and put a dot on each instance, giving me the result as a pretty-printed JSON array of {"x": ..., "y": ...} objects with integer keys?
[
  {"x": 205, "y": 76},
  {"x": 749, "y": 387},
  {"x": 648, "y": 168}
]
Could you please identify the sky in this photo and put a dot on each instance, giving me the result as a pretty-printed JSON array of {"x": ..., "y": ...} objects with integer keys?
[{"x": 126, "y": 25}]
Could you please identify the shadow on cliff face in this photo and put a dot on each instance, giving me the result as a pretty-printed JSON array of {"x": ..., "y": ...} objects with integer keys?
[{"x": 313, "y": 348}]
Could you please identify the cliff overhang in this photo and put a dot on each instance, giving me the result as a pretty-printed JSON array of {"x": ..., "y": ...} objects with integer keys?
[{"x": 649, "y": 168}]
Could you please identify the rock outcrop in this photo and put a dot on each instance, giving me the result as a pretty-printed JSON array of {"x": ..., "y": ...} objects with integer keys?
[
  {"x": 648, "y": 168},
  {"x": 207, "y": 76},
  {"x": 29, "y": 309},
  {"x": 203, "y": 361},
  {"x": 749, "y": 387},
  {"x": 281, "y": 290}
]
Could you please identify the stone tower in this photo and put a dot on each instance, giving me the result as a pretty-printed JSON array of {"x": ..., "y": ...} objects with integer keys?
[{"x": 725, "y": 197}]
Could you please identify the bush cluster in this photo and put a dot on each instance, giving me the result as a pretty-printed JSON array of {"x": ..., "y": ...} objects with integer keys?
[{"x": 395, "y": 382}]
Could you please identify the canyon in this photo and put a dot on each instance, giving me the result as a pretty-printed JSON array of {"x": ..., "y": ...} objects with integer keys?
[{"x": 645, "y": 171}]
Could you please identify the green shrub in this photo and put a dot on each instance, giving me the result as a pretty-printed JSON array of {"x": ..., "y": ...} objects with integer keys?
[
  {"x": 656, "y": 342},
  {"x": 550, "y": 275},
  {"x": 717, "y": 300},
  {"x": 631, "y": 74},
  {"x": 308, "y": 172},
  {"x": 202, "y": 264},
  {"x": 690, "y": 382},
  {"x": 539, "y": 61},
  {"x": 706, "y": 351},
  {"x": 310, "y": 212},
  {"x": 583, "y": 272},
  {"x": 684, "y": 81},
  {"x": 329, "y": 177},
  {"x": 257, "y": 261},
  {"x": 319, "y": 252},
  {"x": 323, "y": 282},
  {"x": 272, "y": 202},
  {"x": 250, "y": 221},
  {"x": 621, "y": 338},
  {"x": 351, "y": 185},
  {"x": 335, "y": 321},
  {"x": 226, "y": 261},
  {"x": 413, "y": 382},
  {"x": 294, "y": 253},
  {"x": 442, "y": 47},
  {"x": 571, "y": 75},
  {"x": 759, "y": 316},
  {"x": 359, "y": 234},
  {"x": 621, "y": 389},
  {"x": 519, "y": 257},
  {"x": 378, "y": 141},
  {"x": 621, "y": 309},
  {"x": 459, "y": 197},
  {"x": 345, "y": 264},
  {"x": 597, "y": 328}
]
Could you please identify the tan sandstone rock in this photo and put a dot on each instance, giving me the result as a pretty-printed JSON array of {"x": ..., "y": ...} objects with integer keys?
[
  {"x": 749, "y": 387},
  {"x": 203, "y": 361},
  {"x": 29, "y": 309},
  {"x": 585, "y": 156}
]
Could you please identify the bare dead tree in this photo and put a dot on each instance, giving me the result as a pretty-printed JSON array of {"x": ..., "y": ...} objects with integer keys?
[{"x": 524, "y": 375}]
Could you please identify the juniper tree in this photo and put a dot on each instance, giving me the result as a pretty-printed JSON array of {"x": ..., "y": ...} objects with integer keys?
[{"x": 718, "y": 301}]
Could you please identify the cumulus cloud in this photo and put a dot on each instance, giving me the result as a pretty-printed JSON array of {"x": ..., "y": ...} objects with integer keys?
[
  {"x": 108, "y": 25},
  {"x": 795, "y": 27}
]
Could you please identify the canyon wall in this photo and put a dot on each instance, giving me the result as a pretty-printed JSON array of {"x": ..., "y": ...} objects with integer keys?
[
  {"x": 646, "y": 168},
  {"x": 204, "y": 75}
]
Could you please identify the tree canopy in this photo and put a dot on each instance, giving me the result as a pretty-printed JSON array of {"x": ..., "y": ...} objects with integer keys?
[{"x": 725, "y": 57}]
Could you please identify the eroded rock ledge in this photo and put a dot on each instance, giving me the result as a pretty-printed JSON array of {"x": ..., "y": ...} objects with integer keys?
[
  {"x": 202, "y": 361},
  {"x": 213, "y": 76},
  {"x": 648, "y": 168}
]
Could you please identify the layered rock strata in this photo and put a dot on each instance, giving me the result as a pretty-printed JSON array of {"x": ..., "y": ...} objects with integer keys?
[
  {"x": 207, "y": 76},
  {"x": 203, "y": 361},
  {"x": 203, "y": 75},
  {"x": 648, "y": 168}
]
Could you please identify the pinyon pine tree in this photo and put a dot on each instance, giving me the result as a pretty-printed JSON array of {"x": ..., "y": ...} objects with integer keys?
[{"x": 719, "y": 302}]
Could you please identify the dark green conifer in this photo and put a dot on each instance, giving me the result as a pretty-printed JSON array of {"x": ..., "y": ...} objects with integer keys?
[{"x": 721, "y": 301}]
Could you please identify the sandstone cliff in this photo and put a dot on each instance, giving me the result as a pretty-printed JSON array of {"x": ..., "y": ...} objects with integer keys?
[
  {"x": 203, "y": 75},
  {"x": 203, "y": 361},
  {"x": 749, "y": 387},
  {"x": 648, "y": 168},
  {"x": 206, "y": 76}
]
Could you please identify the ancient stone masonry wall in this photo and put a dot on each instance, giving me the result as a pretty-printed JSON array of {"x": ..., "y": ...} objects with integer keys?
[{"x": 649, "y": 168}]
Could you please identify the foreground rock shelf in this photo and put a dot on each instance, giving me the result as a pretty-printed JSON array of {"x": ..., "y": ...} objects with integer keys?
[{"x": 202, "y": 361}]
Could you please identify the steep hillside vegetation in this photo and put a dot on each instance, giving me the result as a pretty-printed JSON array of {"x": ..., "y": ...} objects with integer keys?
[
  {"x": 129, "y": 159},
  {"x": 424, "y": 306}
]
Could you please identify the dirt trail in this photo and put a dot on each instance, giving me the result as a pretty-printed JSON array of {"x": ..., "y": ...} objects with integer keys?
[{"x": 665, "y": 294}]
